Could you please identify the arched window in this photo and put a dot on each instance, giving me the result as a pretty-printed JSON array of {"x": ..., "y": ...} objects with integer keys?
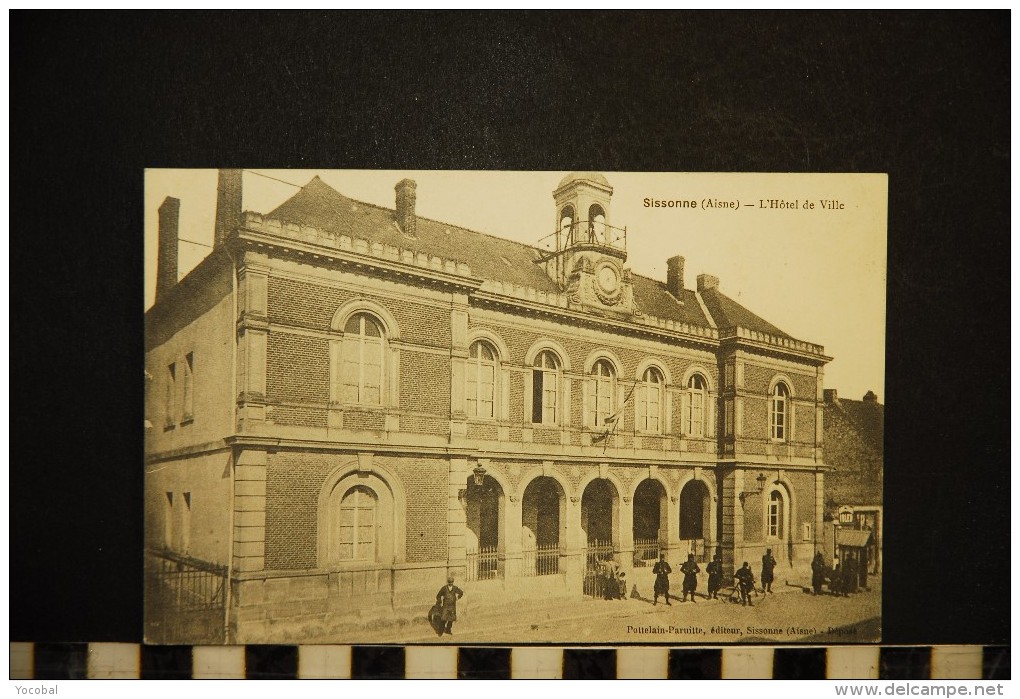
[
  {"x": 545, "y": 387},
  {"x": 649, "y": 401},
  {"x": 779, "y": 409},
  {"x": 481, "y": 381},
  {"x": 363, "y": 366},
  {"x": 694, "y": 420},
  {"x": 601, "y": 393},
  {"x": 776, "y": 525},
  {"x": 566, "y": 222},
  {"x": 357, "y": 535}
]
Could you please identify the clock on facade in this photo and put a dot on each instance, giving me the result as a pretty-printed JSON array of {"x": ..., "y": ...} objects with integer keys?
[{"x": 607, "y": 284}]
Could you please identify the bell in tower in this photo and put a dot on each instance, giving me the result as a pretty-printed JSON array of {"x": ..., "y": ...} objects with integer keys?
[{"x": 586, "y": 253}]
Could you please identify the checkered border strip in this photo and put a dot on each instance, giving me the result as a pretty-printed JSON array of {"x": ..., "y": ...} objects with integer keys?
[{"x": 51, "y": 661}]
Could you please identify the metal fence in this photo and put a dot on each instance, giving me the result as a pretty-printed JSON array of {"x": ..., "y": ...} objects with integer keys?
[
  {"x": 598, "y": 557},
  {"x": 185, "y": 599},
  {"x": 645, "y": 550},
  {"x": 695, "y": 546},
  {"x": 542, "y": 560},
  {"x": 484, "y": 564}
]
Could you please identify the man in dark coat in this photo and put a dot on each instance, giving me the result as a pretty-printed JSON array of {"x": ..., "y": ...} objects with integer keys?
[
  {"x": 745, "y": 583},
  {"x": 836, "y": 579},
  {"x": 714, "y": 570},
  {"x": 849, "y": 575},
  {"x": 818, "y": 573},
  {"x": 768, "y": 566},
  {"x": 447, "y": 598},
  {"x": 690, "y": 570},
  {"x": 661, "y": 571}
]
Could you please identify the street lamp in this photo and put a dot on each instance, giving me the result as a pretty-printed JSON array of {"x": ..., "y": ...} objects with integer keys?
[
  {"x": 760, "y": 480},
  {"x": 479, "y": 474}
]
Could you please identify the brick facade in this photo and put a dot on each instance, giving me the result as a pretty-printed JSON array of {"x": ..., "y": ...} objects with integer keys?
[{"x": 409, "y": 433}]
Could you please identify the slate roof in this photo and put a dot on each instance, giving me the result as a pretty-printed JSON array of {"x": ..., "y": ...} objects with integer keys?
[
  {"x": 854, "y": 447},
  {"x": 320, "y": 206},
  {"x": 728, "y": 313}
]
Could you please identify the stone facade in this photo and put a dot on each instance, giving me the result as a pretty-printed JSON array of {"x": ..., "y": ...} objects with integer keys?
[{"x": 369, "y": 418}]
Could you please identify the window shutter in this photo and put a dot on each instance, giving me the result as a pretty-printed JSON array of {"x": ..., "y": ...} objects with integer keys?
[
  {"x": 667, "y": 397},
  {"x": 529, "y": 395},
  {"x": 564, "y": 400},
  {"x": 504, "y": 394},
  {"x": 710, "y": 401},
  {"x": 586, "y": 394}
]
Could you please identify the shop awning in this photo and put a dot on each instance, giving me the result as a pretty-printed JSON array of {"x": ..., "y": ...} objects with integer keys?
[{"x": 857, "y": 538}]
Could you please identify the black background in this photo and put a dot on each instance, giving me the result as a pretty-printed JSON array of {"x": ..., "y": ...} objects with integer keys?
[{"x": 95, "y": 98}]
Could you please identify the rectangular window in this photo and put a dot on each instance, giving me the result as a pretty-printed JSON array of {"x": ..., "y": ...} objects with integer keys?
[
  {"x": 600, "y": 400},
  {"x": 171, "y": 394},
  {"x": 189, "y": 380},
  {"x": 773, "y": 519},
  {"x": 806, "y": 532},
  {"x": 481, "y": 390},
  {"x": 729, "y": 376},
  {"x": 543, "y": 397},
  {"x": 696, "y": 417},
  {"x": 729, "y": 418},
  {"x": 361, "y": 370},
  {"x": 648, "y": 408},
  {"x": 778, "y": 418}
]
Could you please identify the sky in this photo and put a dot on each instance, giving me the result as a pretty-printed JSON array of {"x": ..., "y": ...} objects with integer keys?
[{"x": 817, "y": 271}]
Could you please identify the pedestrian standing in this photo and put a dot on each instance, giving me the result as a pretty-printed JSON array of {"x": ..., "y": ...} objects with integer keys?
[
  {"x": 768, "y": 566},
  {"x": 849, "y": 575},
  {"x": 447, "y": 598},
  {"x": 714, "y": 570},
  {"x": 690, "y": 570},
  {"x": 661, "y": 571},
  {"x": 818, "y": 573},
  {"x": 836, "y": 581}
]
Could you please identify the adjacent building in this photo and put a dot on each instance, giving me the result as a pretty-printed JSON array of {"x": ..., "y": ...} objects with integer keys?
[
  {"x": 854, "y": 448},
  {"x": 348, "y": 402}
]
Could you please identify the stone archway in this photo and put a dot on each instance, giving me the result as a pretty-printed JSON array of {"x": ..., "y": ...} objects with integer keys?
[
  {"x": 484, "y": 509},
  {"x": 695, "y": 518},
  {"x": 543, "y": 516},
  {"x": 650, "y": 516}
]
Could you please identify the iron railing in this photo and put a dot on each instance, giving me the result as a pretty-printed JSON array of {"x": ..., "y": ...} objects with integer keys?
[
  {"x": 695, "y": 546},
  {"x": 542, "y": 560},
  {"x": 593, "y": 232},
  {"x": 598, "y": 576},
  {"x": 484, "y": 564},
  {"x": 185, "y": 598},
  {"x": 646, "y": 550}
]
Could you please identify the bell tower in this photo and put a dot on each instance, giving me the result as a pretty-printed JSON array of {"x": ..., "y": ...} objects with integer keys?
[{"x": 585, "y": 254}]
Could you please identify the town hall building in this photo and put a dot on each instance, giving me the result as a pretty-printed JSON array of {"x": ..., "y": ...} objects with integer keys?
[{"x": 349, "y": 402}]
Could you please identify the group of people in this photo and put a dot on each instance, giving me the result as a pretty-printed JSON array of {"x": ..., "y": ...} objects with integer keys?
[
  {"x": 843, "y": 578},
  {"x": 611, "y": 582},
  {"x": 744, "y": 581}
]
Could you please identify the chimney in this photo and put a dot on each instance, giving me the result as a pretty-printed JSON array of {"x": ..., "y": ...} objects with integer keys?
[
  {"x": 707, "y": 281},
  {"x": 228, "y": 205},
  {"x": 166, "y": 268},
  {"x": 406, "y": 218},
  {"x": 870, "y": 397},
  {"x": 675, "y": 275},
  {"x": 829, "y": 395}
]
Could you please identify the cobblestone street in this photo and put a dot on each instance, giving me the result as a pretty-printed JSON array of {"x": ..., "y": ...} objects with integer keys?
[{"x": 788, "y": 615}]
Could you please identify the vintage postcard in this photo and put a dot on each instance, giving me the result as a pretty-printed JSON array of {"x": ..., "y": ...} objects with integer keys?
[{"x": 513, "y": 407}]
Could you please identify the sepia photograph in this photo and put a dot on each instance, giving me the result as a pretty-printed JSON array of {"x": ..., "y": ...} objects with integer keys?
[{"x": 478, "y": 407}]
